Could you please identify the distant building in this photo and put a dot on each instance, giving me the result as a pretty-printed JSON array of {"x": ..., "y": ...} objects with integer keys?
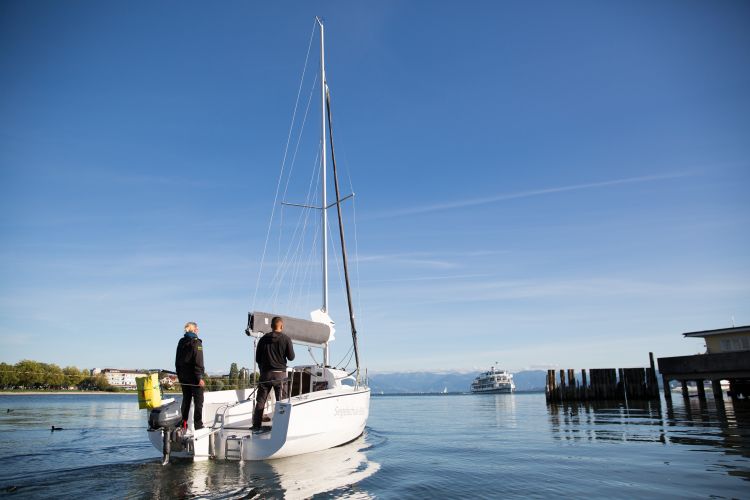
[
  {"x": 124, "y": 379},
  {"x": 724, "y": 339},
  {"x": 727, "y": 357},
  {"x": 168, "y": 380}
]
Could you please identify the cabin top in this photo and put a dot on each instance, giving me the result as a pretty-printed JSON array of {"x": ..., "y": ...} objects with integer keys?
[
  {"x": 720, "y": 331},
  {"x": 724, "y": 339}
]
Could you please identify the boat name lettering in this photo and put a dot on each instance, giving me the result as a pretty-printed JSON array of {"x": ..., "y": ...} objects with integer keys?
[{"x": 345, "y": 412}]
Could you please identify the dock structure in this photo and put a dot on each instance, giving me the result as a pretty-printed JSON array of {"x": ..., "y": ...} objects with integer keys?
[
  {"x": 727, "y": 357},
  {"x": 602, "y": 384}
]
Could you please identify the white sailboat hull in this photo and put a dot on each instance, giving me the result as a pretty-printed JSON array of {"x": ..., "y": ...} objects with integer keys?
[
  {"x": 329, "y": 408},
  {"x": 302, "y": 424}
]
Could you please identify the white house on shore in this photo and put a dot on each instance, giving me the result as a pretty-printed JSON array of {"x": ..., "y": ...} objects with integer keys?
[{"x": 122, "y": 378}]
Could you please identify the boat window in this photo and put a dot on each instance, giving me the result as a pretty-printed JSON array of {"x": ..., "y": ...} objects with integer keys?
[{"x": 349, "y": 381}]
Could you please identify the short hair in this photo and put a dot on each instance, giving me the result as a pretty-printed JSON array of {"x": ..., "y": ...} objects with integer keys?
[
  {"x": 275, "y": 322},
  {"x": 190, "y": 326}
]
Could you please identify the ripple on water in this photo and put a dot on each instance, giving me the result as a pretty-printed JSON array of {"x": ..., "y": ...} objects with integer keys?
[{"x": 460, "y": 446}]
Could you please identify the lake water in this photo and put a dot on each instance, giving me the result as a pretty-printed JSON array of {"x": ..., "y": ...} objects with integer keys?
[{"x": 457, "y": 446}]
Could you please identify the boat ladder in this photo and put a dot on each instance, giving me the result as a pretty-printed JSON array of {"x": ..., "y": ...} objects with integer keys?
[{"x": 233, "y": 447}]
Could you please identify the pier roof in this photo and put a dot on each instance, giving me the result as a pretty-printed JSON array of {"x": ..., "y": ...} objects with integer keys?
[{"x": 720, "y": 331}]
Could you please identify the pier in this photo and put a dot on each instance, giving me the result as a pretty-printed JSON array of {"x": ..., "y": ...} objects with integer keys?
[
  {"x": 727, "y": 358},
  {"x": 603, "y": 383}
]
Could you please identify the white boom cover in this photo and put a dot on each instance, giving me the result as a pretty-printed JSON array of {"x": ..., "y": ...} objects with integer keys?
[{"x": 316, "y": 333}]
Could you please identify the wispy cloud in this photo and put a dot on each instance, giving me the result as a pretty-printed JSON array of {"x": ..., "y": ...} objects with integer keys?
[
  {"x": 412, "y": 259},
  {"x": 470, "y": 202},
  {"x": 428, "y": 278},
  {"x": 475, "y": 291}
]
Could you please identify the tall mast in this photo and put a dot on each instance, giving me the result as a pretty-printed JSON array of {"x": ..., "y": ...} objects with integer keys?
[{"x": 324, "y": 168}]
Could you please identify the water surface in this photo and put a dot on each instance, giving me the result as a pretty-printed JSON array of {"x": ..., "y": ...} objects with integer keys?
[{"x": 461, "y": 446}]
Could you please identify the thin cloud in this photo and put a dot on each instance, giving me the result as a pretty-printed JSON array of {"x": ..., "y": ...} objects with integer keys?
[
  {"x": 413, "y": 259},
  {"x": 428, "y": 278},
  {"x": 528, "y": 194}
]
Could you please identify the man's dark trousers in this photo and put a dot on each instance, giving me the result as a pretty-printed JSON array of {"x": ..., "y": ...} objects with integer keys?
[
  {"x": 267, "y": 381},
  {"x": 196, "y": 394}
]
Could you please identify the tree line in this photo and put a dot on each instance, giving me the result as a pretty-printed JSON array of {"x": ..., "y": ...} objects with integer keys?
[
  {"x": 237, "y": 379},
  {"x": 28, "y": 374},
  {"x": 34, "y": 375}
]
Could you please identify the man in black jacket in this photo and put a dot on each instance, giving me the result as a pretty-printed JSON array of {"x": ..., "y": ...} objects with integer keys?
[
  {"x": 189, "y": 366},
  {"x": 272, "y": 353}
]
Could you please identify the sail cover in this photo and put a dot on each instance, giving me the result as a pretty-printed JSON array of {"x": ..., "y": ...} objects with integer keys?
[{"x": 301, "y": 331}]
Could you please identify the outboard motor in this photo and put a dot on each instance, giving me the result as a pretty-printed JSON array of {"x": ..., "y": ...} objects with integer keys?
[{"x": 168, "y": 418}]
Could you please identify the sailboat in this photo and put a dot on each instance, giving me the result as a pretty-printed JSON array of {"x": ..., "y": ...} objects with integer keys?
[{"x": 325, "y": 407}]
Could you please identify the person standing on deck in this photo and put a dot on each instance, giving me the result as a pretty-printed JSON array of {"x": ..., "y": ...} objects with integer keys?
[
  {"x": 189, "y": 367},
  {"x": 272, "y": 353}
]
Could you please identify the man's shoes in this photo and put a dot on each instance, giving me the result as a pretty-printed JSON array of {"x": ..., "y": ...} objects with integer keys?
[
  {"x": 197, "y": 428},
  {"x": 256, "y": 428}
]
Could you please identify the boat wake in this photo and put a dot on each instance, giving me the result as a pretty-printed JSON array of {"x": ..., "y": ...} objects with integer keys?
[{"x": 335, "y": 471}]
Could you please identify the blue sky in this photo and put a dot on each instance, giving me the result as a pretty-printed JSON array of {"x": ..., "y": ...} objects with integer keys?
[{"x": 537, "y": 183}]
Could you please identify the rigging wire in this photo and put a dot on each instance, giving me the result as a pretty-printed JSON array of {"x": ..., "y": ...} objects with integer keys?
[
  {"x": 294, "y": 160},
  {"x": 283, "y": 162},
  {"x": 283, "y": 266},
  {"x": 343, "y": 358}
]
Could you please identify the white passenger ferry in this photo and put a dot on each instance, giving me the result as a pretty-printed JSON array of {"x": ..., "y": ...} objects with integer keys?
[{"x": 493, "y": 381}]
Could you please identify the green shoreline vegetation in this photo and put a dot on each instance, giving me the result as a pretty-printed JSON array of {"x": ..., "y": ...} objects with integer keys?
[{"x": 28, "y": 376}]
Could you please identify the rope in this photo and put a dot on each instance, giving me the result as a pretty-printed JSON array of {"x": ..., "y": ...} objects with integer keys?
[{"x": 252, "y": 386}]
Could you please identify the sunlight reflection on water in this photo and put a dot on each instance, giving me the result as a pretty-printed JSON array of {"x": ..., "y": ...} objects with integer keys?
[{"x": 414, "y": 447}]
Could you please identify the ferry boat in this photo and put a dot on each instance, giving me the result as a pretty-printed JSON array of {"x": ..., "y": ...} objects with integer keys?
[{"x": 493, "y": 382}]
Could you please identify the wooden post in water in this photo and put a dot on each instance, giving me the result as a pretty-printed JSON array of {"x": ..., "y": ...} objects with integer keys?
[
  {"x": 685, "y": 393},
  {"x": 563, "y": 389},
  {"x": 612, "y": 389},
  {"x": 667, "y": 388},
  {"x": 551, "y": 389},
  {"x": 718, "y": 392},
  {"x": 584, "y": 386},
  {"x": 572, "y": 389},
  {"x": 653, "y": 384},
  {"x": 595, "y": 384},
  {"x": 701, "y": 389}
]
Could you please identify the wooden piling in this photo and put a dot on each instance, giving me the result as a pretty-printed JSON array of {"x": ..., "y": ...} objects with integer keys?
[
  {"x": 584, "y": 386},
  {"x": 572, "y": 386},
  {"x": 718, "y": 392},
  {"x": 701, "y": 389},
  {"x": 667, "y": 388},
  {"x": 604, "y": 383}
]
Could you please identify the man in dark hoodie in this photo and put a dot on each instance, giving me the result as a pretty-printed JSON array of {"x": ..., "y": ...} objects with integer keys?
[
  {"x": 272, "y": 353},
  {"x": 189, "y": 366}
]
